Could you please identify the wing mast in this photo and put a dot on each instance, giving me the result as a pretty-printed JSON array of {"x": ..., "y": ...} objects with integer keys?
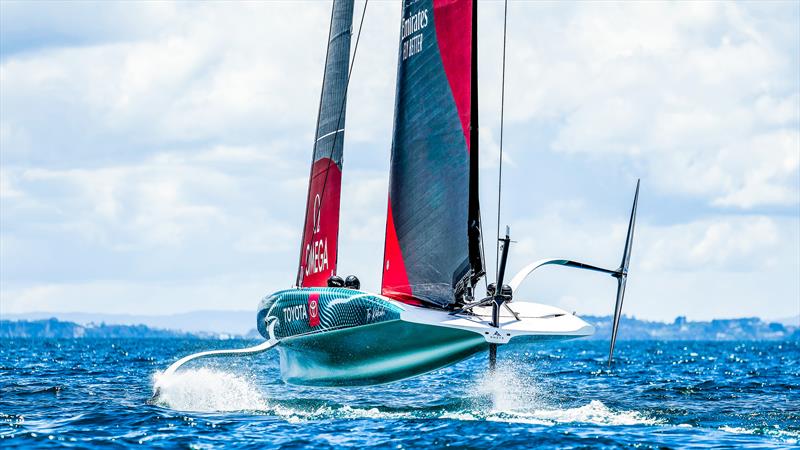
[{"x": 475, "y": 230}]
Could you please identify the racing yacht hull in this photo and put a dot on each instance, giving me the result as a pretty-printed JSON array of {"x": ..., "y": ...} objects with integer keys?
[{"x": 345, "y": 337}]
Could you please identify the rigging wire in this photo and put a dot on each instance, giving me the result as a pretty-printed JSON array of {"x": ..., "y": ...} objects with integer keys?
[
  {"x": 338, "y": 122},
  {"x": 500, "y": 175}
]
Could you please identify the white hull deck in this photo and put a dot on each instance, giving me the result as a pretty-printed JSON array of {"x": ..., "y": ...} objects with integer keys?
[{"x": 536, "y": 322}]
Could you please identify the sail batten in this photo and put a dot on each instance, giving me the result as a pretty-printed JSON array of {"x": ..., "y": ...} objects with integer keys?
[
  {"x": 433, "y": 248},
  {"x": 318, "y": 252}
]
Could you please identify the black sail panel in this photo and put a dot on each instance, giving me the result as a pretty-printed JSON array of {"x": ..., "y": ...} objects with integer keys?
[{"x": 433, "y": 221}]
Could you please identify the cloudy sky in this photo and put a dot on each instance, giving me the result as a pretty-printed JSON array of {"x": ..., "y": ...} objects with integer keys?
[{"x": 154, "y": 156}]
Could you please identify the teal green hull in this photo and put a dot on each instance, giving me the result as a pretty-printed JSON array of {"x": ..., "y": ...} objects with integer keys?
[
  {"x": 374, "y": 354},
  {"x": 346, "y": 337}
]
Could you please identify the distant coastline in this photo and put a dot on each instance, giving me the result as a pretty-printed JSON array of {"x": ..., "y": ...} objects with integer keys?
[
  {"x": 741, "y": 329},
  {"x": 631, "y": 328},
  {"x": 57, "y": 329}
]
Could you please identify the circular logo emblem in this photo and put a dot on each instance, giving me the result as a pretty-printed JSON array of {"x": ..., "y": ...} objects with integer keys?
[{"x": 312, "y": 308}]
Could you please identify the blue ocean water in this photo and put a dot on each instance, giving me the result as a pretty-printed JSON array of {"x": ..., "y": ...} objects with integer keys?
[{"x": 85, "y": 393}]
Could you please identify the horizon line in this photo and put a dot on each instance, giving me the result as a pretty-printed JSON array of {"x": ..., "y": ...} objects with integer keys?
[{"x": 795, "y": 317}]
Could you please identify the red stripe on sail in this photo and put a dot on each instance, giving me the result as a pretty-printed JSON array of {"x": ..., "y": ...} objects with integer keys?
[
  {"x": 395, "y": 278},
  {"x": 318, "y": 253},
  {"x": 453, "y": 20}
]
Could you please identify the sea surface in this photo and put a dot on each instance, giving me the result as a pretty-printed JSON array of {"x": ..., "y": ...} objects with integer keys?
[{"x": 87, "y": 393}]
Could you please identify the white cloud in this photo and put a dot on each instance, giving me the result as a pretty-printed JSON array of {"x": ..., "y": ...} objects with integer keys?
[
  {"x": 7, "y": 189},
  {"x": 705, "y": 98},
  {"x": 693, "y": 268},
  {"x": 168, "y": 199},
  {"x": 120, "y": 297},
  {"x": 490, "y": 150},
  {"x": 727, "y": 244},
  {"x": 30, "y": 29},
  {"x": 213, "y": 73}
]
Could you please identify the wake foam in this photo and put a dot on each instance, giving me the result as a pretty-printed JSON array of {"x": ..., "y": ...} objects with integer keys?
[
  {"x": 516, "y": 395},
  {"x": 595, "y": 413},
  {"x": 507, "y": 395},
  {"x": 509, "y": 389},
  {"x": 207, "y": 390}
]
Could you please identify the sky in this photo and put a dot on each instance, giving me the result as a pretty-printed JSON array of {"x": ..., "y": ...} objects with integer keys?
[{"x": 154, "y": 156}]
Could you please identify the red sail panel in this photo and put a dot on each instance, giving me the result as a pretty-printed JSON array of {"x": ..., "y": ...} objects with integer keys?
[
  {"x": 321, "y": 230},
  {"x": 395, "y": 278},
  {"x": 321, "y": 226},
  {"x": 453, "y": 19},
  {"x": 433, "y": 216}
]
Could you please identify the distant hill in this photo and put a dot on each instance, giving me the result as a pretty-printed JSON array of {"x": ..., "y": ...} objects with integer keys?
[
  {"x": 630, "y": 329},
  {"x": 242, "y": 323},
  {"x": 208, "y": 321},
  {"x": 54, "y": 328},
  {"x": 749, "y": 328},
  {"x": 790, "y": 321}
]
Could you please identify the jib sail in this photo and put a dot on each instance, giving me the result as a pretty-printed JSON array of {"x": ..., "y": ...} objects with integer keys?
[
  {"x": 433, "y": 252},
  {"x": 321, "y": 225}
]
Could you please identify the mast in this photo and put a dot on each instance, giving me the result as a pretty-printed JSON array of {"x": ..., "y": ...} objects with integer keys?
[
  {"x": 475, "y": 229},
  {"x": 318, "y": 250}
]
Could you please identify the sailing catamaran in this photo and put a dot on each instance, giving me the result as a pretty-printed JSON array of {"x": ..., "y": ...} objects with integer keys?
[{"x": 427, "y": 315}]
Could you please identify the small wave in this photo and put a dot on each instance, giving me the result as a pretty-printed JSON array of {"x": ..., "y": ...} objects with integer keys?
[
  {"x": 595, "y": 412},
  {"x": 207, "y": 390},
  {"x": 736, "y": 430},
  {"x": 295, "y": 415},
  {"x": 47, "y": 390},
  {"x": 787, "y": 436}
]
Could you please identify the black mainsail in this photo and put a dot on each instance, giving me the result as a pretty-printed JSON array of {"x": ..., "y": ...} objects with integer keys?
[{"x": 433, "y": 243}]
